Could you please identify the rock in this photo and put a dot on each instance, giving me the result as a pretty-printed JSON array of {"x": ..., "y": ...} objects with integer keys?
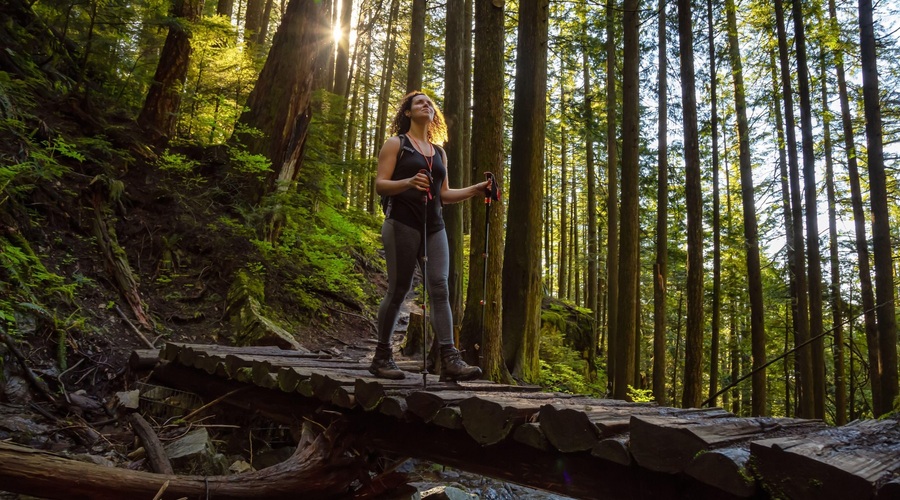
[
  {"x": 94, "y": 459},
  {"x": 16, "y": 390},
  {"x": 129, "y": 399},
  {"x": 240, "y": 467},
  {"x": 193, "y": 443}
]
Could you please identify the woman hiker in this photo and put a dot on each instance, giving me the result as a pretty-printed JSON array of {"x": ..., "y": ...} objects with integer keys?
[{"x": 412, "y": 175}]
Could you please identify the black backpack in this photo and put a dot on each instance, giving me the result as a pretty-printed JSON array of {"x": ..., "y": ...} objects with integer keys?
[{"x": 386, "y": 200}]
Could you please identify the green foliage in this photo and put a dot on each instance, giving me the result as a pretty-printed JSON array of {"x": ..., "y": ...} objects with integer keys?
[
  {"x": 640, "y": 395},
  {"x": 562, "y": 368}
]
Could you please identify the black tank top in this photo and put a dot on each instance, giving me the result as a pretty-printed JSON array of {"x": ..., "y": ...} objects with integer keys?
[{"x": 409, "y": 207}]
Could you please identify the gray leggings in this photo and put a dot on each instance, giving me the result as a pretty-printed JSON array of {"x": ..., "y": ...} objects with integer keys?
[{"x": 403, "y": 251}]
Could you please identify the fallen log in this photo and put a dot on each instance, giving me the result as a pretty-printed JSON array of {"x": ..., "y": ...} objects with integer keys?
[
  {"x": 318, "y": 471},
  {"x": 726, "y": 469},
  {"x": 568, "y": 429},
  {"x": 844, "y": 462},
  {"x": 668, "y": 444}
]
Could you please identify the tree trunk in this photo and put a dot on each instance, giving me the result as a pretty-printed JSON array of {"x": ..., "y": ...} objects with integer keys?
[
  {"x": 416, "y": 61},
  {"x": 481, "y": 334},
  {"x": 563, "y": 276},
  {"x": 160, "y": 112},
  {"x": 715, "y": 333},
  {"x": 816, "y": 327},
  {"x": 384, "y": 92},
  {"x": 612, "y": 198},
  {"x": 315, "y": 471},
  {"x": 342, "y": 58},
  {"x": 859, "y": 219},
  {"x": 881, "y": 230},
  {"x": 592, "y": 268},
  {"x": 454, "y": 108},
  {"x": 693, "y": 345},
  {"x": 259, "y": 38},
  {"x": 279, "y": 105},
  {"x": 788, "y": 223},
  {"x": 660, "y": 269},
  {"x": 751, "y": 232},
  {"x": 521, "y": 262},
  {"x": 253, "y": 19},
  {"x": 840, "y": 386},
  {"x": 804, "y": 361},
  {"x": 225, "y": 8}
]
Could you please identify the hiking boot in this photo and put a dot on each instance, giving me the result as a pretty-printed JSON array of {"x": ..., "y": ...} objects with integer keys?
[
  {"x": 383, "y": 365},
  {"x": 454, "y": 368}
]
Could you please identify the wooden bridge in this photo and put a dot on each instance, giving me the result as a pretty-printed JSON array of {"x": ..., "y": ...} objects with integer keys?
[{"x": 573, "y": 445}]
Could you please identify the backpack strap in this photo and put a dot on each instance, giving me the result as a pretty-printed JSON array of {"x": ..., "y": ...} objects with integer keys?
[{"x": 386, "y": 200}]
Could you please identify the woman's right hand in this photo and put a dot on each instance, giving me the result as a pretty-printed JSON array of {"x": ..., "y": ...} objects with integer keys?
[{"x": 420, "y": 181}]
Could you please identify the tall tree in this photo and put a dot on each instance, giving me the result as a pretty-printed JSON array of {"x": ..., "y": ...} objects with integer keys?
[
  {"x": 416, "y": 59},
  {"x": 279, "y": 105},
  {"x": 751, "y": 231},
  {"x": 798, "y": 268},
  {"x": 591, "y": 177},
  {"x": 384, "y": 91},
  {"x": 342, "y": 58},
  {"x": 816, "y": 327},
  {"x": 881, "y": 230},
  {"x": 612, "y": 198},
  {"x": 834, "y": 292},
  {"x": 693, "y": 345},
  {"x": 521, "y": 261},
  {"x": 660, "y": 268},
  {"x": 715, "y": 333},
  {"x": 562, "y": 275},
  {"x": 629, "y": 247},
  {"x": 867, "y": 295},
  {"x": 160, "y": 112},
  {"x": 483, "y": 297},
  {"x": 454, "y": 108}
]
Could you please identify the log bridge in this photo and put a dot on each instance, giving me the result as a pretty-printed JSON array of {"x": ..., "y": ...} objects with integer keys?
[{"x": 572, "y": 445}]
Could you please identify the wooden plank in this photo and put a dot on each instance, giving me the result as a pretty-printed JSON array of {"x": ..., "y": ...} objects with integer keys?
[
  {"x": 668, "y": 444},
  {"x": 255, "y": 350},
  {"x": 844, "y": 462},
  {"x": 726, "y": 469}
]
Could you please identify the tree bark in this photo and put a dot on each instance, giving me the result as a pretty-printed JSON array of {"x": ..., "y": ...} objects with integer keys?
[
  {"x": 716, "y": 305},
  {"x": 881, "y": 230},
  {"x": 481, "y": 336},
  {"x": 315, "y": 471},
  {"x": 521, "y": 262},
  {"x": 416, "y": 60},
  {"x": 279, "y": 105},
  {"x": 342, "y": 58},
  {"x": 751, "y": 232},
  {"x": 834, "y": 292},
  {"x": 693, "y": 345},
  {"x": 454, "y": 108},
  {"x": 592, "y": 268},
  {"x": 628, "y": 244},
  {"x": 660, "y": 268},
  {"x": 801, "y": 326},
  {"x": 867, "y": 295},
  {"x": 160, "y": 112},
  {"x": 612, "y": 199}
]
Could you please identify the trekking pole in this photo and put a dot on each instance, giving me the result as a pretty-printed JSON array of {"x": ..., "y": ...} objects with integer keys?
[
  {"x": 425, "y": 197},
  {"x": 489, "y": 196}
]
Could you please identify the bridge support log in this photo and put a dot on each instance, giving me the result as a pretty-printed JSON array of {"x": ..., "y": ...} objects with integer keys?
[{"x": 317, "y": 471}]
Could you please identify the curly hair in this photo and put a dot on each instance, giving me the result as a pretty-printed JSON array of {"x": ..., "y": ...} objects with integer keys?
[{"x": 437, "y": 131}]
